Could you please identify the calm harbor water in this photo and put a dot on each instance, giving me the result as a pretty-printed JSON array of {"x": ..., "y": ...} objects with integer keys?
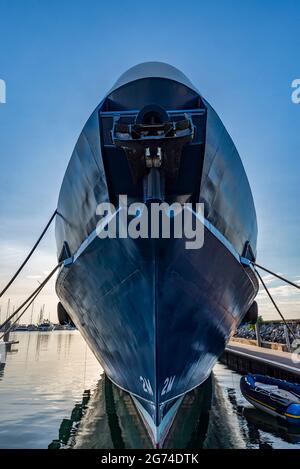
[{"x": 53, "y": 393}]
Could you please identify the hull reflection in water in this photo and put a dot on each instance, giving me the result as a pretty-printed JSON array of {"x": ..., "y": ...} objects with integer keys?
[{"x": 109, "y": 419}]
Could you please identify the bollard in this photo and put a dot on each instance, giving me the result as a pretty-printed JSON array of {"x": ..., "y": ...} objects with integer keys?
[
  {"x": 287, "y": 338},
  {"x": 2, "y": 352},
  {"x": 257, "y": 331},
  {"x": 6, "y": 332}
]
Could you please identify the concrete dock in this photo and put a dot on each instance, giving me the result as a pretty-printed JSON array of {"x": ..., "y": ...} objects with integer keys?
[{"x": 245, "y": 358}]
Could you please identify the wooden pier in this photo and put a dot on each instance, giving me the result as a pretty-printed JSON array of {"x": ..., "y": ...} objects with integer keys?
[{"x": 245, "y": 358}]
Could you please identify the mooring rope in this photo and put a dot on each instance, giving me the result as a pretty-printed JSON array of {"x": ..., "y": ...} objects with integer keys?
[
  {"x": 29, "y": 255},
  {"x": 276, "y": 275},
  {"x": 32, "y": 296},
  {"x": 275, "y": 305}
]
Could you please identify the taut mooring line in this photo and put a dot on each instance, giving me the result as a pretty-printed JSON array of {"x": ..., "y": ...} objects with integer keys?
[
  {"x": 274, "y": 304},
  {"x": 32, "y": 296},
  {"x": 276, "y": 275},
  {"x": 29, "y": 255}
]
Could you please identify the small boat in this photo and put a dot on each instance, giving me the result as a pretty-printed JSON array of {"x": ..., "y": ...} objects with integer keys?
[
  {"x": 274, "y": 396},
  {"x": 45, "y": 326},
  {"x": 64, "y": 327},
  {"x": 69, "y": 327},
  {"x": 20, "y": 328},
  {"x": 58, "y": 327}
]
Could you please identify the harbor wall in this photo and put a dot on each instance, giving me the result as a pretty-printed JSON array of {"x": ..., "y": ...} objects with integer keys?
[{"x": 243, "y": 364}]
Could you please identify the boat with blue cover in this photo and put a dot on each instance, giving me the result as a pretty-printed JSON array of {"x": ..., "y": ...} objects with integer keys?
[{"x": 274, "y": 396}]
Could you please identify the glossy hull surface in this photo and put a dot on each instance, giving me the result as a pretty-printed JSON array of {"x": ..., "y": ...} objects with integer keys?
[{"x": 156, "y": 315}]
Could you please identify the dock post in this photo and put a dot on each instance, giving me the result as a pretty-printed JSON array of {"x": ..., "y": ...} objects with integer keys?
[
  {"x": 6, "y": 334},
  {"x": 287, "y": 338},
  {"x": 2, "y": 352},
  {"x": 257, "y": 331}
]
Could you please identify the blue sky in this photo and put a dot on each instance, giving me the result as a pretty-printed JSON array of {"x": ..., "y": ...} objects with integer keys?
[{"x": 58, "y": 58}]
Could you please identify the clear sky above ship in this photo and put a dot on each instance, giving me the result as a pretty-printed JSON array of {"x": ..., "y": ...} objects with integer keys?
[{"x": 58, "y": 58}]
